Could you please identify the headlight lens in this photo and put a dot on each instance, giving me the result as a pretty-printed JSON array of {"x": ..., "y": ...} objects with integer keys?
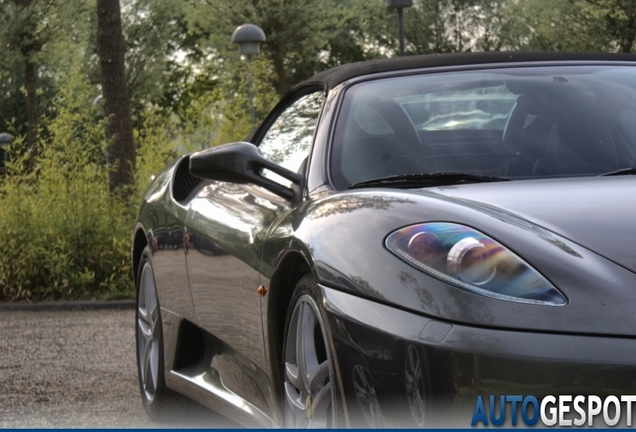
[{"x": 468, "y": 259}]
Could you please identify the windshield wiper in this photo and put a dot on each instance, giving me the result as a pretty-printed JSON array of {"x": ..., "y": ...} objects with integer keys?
[
  {"x": 424, "y": 180},
  {"x": 624, "y": 171}
]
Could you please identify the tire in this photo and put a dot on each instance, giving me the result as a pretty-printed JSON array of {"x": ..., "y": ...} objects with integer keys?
[
  {"x": 160, "y": 403},
  {"x": 311, "y": 397}
]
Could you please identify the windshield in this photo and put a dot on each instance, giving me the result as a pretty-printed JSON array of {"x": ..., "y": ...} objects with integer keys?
[{"x": 517, "y": 123}]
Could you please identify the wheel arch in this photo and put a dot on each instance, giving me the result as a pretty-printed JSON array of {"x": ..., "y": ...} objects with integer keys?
[{"x": 291, "y": 269}]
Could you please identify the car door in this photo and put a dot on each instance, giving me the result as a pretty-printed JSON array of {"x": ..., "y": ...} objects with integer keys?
[{"x": 226, "y": 226}]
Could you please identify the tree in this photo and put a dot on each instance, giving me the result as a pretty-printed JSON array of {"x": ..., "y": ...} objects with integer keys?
[
  {"x": 439, "y": 26},
  {"x": 27, "y": 25},
  {"x": 159, "y": 52},
  {"x": 618, "y": 17},
  {"x": 580, "y": 25},
  {"x": 556, "y": 25},
  {"x": 119, "y": 134},
  {"x": 298, "y": 32}
]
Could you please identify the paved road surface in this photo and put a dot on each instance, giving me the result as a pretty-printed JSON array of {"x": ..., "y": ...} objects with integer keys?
[{"x": 74, "y": 369}]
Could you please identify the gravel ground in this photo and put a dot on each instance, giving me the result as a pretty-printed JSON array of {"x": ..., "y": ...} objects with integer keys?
[{"x": 74, "y": 369}]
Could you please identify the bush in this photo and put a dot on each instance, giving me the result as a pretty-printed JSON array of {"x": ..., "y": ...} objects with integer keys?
[{"x": 64, "y": 235}]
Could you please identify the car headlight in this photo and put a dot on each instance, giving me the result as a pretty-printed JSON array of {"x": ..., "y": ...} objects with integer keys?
[{"x": 470, "y": 260}]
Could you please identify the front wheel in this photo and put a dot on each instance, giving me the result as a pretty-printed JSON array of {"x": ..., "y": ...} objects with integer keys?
[{"x": 309, "y": 383}]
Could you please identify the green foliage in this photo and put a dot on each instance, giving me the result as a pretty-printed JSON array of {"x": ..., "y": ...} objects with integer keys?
[
  {"x": 298, "y": 33},
  {"x": 157, "y": 55},
  {"x": 46, "y": 33},
  {"x": 215, "y": 111},
  {"x": 156, "y": 146},
  {"x": 65, "y": 236},
  {"x": 228, "y": 109},
  {"x": 609, "y": 24},
  {"x": 560, "y": 25}
]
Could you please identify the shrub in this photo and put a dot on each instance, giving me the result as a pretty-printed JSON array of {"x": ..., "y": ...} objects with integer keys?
[{"x": 64, "y": 235}]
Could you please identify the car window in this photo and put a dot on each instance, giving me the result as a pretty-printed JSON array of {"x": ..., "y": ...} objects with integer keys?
[
  {"x": 517, "y": 123},
  {"x": 288, "y": 140}
]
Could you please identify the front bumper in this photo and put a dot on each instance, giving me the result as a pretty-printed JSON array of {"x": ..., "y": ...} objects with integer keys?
[{"x": 401, "y": 369}]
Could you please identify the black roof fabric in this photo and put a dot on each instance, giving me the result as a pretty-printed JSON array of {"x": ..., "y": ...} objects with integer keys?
[{"x": 334, "y": 76}]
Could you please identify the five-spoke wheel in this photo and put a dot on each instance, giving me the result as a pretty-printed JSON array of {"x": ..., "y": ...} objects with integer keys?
[
  {"x": 309, "y": 379},
  {"x": 148, "y": 336}
]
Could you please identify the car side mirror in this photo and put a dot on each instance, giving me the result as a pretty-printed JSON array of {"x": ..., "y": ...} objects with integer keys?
[{"x": 241, "y": 163}]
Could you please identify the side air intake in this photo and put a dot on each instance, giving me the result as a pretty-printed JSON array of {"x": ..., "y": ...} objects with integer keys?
[{"x": 184, "y": 183}]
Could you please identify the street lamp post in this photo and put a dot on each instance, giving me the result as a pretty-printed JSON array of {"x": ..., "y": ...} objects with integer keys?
[
  {"x": 5, "y": 140},
  {"x": 399, "y": 5},
  {"x": 249, "y": 38}
]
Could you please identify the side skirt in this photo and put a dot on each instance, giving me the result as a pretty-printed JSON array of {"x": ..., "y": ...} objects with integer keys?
[{"x": 189, "y": 353}]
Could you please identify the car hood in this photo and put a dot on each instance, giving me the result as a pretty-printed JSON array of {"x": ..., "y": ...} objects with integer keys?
[{"x": 598, "y": 213}]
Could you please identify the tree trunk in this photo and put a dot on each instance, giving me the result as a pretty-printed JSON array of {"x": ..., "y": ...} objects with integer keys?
[
  {"x": 629, "y": 35},
  {"x": 111, "y": 49},
  {"x": 30, "y": 72},
  {"x": 281, "y": 75}
]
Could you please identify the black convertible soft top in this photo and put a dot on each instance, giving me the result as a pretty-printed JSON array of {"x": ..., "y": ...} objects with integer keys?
[{"x": 334, "y": 76}]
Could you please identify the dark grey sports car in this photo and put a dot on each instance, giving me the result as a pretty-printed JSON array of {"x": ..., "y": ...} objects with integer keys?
[{"x": 396, "y": 239}]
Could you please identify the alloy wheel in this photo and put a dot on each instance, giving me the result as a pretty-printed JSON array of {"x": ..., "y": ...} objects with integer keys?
[
  {"x": 148, "y": 335},
  {"x": 309, "y": 376}
]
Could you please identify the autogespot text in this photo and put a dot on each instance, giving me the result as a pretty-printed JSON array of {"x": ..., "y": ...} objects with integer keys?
[{"x": 561, "y": 410}]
